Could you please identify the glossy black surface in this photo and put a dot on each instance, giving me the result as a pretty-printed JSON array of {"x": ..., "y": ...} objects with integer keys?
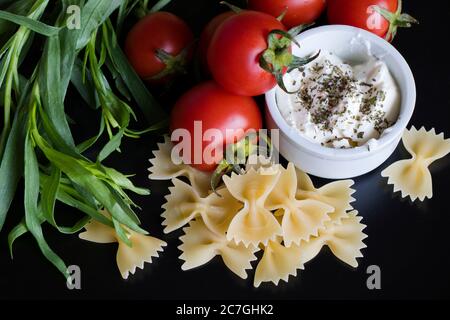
[{"x": 409, "y": 241}]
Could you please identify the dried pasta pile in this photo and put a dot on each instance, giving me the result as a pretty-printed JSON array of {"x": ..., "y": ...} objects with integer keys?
[{"x": 269, "y": 208}]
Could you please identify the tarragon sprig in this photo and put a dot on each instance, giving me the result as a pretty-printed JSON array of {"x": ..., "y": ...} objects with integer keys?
[{"x": 38, "y": 144}]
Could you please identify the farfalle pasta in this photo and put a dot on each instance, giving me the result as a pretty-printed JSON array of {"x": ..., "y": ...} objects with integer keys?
[
  {"x": 254, "y": 224},
  {"x": 163, "y": 168},
  {"x": 301, "y": 218},
  {"x": 345, "y": 240},
  {"x": 412, "y": 177},
  {"x": 184, "y": 204},
  {"x": 278, "y": 263},
  {"x": 337, "y": 194},
  {"x": 262, "y": 164},
  {"x": 143, "y": 248},
  {"x": 200, "y": 245},
  {"x": 268, "y": 208}
]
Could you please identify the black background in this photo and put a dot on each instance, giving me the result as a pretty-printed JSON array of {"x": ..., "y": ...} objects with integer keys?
[{"x": 409, "y": 241}]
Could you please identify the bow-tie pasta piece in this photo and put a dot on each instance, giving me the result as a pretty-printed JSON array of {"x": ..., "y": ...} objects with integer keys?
[
  {"x": 163, "y": 168},
  {"x": 262, "y": 164},
  {"x": 278, "y": 263},
  {"x": 301, "y": 219},
  {"x": 220, "y": 208},
  {"x": 200, "y": 245},
  {"x": 98, "y": 232},
  {"x": 345, "y": 240},
  {"x": 253, "y": 224},
  {"x": 412, "y": 177},
  {"x": 143, "y": 249},
  {"x": 184, "y": 204},
  {"x": 337, "y": 194}
]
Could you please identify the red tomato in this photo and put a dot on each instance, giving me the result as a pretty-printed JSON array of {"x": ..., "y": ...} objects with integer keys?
[
  {"x": 217, "y": 109},
  {"x": 298, "y": 11},
  {"x": 207, "y": 34},
  {"x": 361, "y": 14},
  {"x": 235, "y": 51},
  {"x": 158, "y": 46}
]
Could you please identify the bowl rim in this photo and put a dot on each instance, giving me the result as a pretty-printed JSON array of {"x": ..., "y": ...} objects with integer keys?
[{"x": 392, "y": 134}]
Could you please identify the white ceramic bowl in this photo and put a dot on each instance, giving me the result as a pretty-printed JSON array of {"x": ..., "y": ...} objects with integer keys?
[{"x": 347, "y": 43}]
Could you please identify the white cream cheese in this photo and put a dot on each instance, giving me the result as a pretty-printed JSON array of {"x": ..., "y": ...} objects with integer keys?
[{"x": 339, "y": 105}]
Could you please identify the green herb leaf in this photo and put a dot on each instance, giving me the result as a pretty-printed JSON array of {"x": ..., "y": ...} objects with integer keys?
[
  {"x": 94, "y": 13},
  {"x": 11, "y": 167},
  {"x": 78, "y": 173},
  {"x": 84, "y": 86},
  {"x": 51, "y": 92},
  {"x": 19, "y": 7},
  {"x": 85, "y": 145},
  {"x": 69, "y": 196},
  {"x": 49, "y": 192},
  {"x": 120, "y": 231},
  {"x": 31, "y": 24},
  {"x": 159, "y": 5},
  {"x": 122, "y": 181},
  {"x": 31, "y": 206},
  {"x": 48, "y": 196},
  {"x": 111, "y": 146},
  {"x": 15, "y": 233},
  {"x": 68, "y": 39},
  {"x": 124, "y": 10}
]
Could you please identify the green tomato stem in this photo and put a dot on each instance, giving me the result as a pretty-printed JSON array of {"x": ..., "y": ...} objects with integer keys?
[
  {"x": 174, "y": 65},
  {"x": 396, "y": 20},
  {"x": 239, "y": 151},
  {"x": 278, "y": 58},
  {"x": 232, "y": 7}
]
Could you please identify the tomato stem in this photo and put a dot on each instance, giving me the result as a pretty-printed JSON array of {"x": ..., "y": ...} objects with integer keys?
[
  {"x": 144, "y": 9},
  {"x": 232, "y": 7},
  {"x": 396, "y": 19},
  {"x": 297, "y": 62},
  {"x": 278, "y": 58},
  {"x": 283, "y": 14},
  {"x": 295, "y": 31},
  {"x": 236, "y": 155},
  {"x": 173, "y": 64}
]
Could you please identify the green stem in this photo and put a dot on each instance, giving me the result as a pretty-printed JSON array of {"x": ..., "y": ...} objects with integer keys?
[
  {"x": 7, "y": 103},
  {"x": 232, "y": 7},
  {"x": 278, "y": 58},
  {"x": 159, "y": 5},
  {"x": 283, "y": 14},
  {"x": 99, "y": 85},
  {"x": 20, "y": 38},
  {"x": 236, "y": 154},
  {"x": 396, "y": 19},
  {"x": 173, "y": 64}
]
